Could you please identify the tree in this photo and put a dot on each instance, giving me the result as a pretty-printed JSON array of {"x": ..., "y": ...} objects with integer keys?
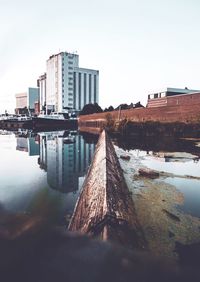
[
  {"x": 123, "y": 107},
  {"x": 109, "y": 109},
  {"x": 91, "y": 109}
]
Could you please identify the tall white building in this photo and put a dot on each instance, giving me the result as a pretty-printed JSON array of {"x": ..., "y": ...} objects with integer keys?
[{"x": 67, "y": 85}]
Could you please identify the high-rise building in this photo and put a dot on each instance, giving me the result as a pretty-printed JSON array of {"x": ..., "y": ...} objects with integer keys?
[{"x": 67, "y": 85}]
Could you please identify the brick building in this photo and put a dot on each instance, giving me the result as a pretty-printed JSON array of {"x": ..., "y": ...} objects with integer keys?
[{"x": 172, "y": 97}]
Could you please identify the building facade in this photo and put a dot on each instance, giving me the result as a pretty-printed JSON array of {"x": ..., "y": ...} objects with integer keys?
[
  {"x": 67, "y": 85},
  {"x": 172, "y": 96},
  {"x": 25, "y": 102},
  {"x": 21, "y": 100},
  {"x": 32, "y": 97},
  {"x": 42, "y": 84}
]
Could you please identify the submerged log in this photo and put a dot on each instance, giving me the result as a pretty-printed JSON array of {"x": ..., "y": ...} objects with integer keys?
[
  {"x": 148, "y": 173},
  {"x": 105, "y": 208}
]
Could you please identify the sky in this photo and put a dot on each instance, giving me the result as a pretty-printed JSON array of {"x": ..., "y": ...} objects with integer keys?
[{"x": 138, "y": 46}]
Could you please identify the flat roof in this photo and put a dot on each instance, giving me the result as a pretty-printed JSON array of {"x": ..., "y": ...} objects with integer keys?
[{"x": 175, "y": 90}]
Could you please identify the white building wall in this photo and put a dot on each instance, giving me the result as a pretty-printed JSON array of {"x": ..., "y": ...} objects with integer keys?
[
  {"x": 62, "y": 88},
  {"x": 59, "y": 84},
  {"x": 42, "y": 90},
  {"x": 51, "y": 89},
  {"x": 90, "y": 97}
]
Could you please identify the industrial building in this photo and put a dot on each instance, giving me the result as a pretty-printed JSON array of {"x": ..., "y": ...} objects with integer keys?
[
  {"x": 67, "y": 86},
  {"x": 172, "y": 97}
]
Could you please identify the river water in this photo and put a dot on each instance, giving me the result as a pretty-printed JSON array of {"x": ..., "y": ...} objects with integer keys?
[
  {"x": 179, "y": 159},
  {"x": 41, "y": 174}
]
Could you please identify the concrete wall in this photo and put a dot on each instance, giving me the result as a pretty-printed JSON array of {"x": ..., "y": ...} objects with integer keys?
[{"x": 21, "y": 100}]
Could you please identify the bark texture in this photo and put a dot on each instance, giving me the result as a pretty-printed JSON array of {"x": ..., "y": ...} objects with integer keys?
[{"x": 105, "y": 208}]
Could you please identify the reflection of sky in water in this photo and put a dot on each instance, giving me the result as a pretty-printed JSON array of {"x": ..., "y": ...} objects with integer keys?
[
  {"x": 24, "y": 186},
  {"x": 191, "y": 191},
  {"x": 189, "y": 187},
  {"x": 180, "y": 168}
]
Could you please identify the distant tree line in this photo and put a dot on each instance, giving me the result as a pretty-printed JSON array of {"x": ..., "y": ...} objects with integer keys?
[{"x": 95, "y": 108}]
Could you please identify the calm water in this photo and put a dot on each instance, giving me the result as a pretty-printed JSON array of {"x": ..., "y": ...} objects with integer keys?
[
  {"x": 190, "y": 188},
  {"x": 41, "y": 174},
  {"x": 154, "y": 154}
]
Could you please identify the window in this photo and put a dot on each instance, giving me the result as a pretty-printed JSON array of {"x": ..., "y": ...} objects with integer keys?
[
  {"x": 70, "y": 62},
  {"x": 70, "y": 68},
  {"x": 70, "y": 73},
  {"x": 70, "y": 89}
]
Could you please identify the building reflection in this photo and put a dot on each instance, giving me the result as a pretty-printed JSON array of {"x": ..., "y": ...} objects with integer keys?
[
  {"x": 65, "y": 156},
  {"x": 27, "y": 142}
]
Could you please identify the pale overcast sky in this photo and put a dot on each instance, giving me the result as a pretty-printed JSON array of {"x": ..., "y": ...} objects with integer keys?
[{"x": 138, "y": 46}]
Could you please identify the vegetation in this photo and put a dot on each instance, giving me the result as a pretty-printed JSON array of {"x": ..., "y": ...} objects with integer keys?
[
  {"x": 91, "y": 109},
  {"x": 124, "y": 107},
  {"x": 109, "y": 109}
]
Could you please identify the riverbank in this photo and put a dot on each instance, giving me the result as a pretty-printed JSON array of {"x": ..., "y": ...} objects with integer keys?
[
  {"x": 176, "y": 121},
  {"x": 157, "y": 203}
]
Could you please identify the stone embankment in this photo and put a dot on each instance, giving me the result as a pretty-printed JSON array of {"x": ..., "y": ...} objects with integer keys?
[{"x": 105, "y": 208}]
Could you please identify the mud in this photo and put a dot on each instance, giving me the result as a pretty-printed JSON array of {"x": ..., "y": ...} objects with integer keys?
[{"x": 156, "y": 204}]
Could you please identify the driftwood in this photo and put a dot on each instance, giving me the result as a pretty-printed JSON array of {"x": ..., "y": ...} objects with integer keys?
[
  {"x": 105, "y": 208},
  {"x": 148, "y": 173},
  {"x": 125, "y": 157}
]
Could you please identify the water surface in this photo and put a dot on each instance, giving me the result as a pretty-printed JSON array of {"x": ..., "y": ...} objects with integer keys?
[{"x": 41, "y": 174}]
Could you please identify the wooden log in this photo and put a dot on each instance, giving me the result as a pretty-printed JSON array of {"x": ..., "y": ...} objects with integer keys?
[
  {"x": 105, "y": 207},
  {"x": 148, "y": 173}
]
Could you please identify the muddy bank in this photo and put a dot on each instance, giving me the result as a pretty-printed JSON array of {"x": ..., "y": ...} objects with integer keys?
[{"x": 156, "y": 204}]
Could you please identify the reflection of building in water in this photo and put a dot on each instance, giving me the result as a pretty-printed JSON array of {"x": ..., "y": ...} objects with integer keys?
[
  {"x": 65, "y": 158},
  {"x": 28, "y": 144},
  {"x": 22, "y": 144}
]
